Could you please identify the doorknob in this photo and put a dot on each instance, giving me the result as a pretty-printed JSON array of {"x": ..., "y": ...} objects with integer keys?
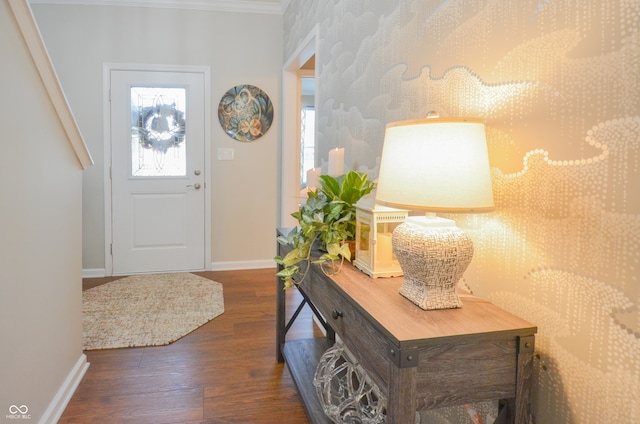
[
  {"x": 196, "y": 186},
  {"x": 196, "y": 172}
]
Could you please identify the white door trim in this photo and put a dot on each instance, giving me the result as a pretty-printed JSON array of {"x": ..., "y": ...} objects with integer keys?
[
  {"x": 106, "y": 71},
  {"x": 290, "y": 148}
]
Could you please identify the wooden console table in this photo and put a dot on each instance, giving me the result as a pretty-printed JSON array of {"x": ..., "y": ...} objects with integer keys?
[{"x": 419, "y": 359}]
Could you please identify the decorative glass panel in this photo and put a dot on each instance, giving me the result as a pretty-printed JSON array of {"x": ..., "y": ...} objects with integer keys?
[
  {"x": 158, "y": 140},
  {"x": 365, "y": 234}
]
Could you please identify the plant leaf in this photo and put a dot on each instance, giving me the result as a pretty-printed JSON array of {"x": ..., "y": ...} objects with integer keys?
[
  {"x": 293, "y": 258},
  {"x": 330, "y": 187},
  {"x": 345, "y": 251}
]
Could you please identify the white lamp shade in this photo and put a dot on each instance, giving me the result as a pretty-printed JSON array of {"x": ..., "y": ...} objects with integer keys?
[{"x": 436, "y": 164}]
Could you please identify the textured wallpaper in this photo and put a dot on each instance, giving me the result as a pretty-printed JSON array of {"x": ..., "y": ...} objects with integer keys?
[{"x": 558, "y": 84}]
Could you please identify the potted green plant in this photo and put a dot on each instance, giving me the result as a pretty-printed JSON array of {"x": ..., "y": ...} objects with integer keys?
[{"x": 328, "y": 216}]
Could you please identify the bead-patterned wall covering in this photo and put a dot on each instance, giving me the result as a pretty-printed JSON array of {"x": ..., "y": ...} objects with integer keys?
[{"x": 558, "y": 83}]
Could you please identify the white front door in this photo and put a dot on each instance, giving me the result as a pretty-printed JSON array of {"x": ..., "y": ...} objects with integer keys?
[{"x": 158, "y": 171}]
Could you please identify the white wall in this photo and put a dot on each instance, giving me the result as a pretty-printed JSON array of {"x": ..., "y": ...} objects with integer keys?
[
  {"x": 40, "y": 230},
  {"x": 240, "y": 48}
]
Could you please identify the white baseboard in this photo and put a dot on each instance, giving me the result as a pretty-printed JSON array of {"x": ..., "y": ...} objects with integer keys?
[
  {"x": 94, "y": 272},
  {"x": 215, "y": 266},
  {"x": 61, "y": 399},
  {"x": 239, "y": 265}
]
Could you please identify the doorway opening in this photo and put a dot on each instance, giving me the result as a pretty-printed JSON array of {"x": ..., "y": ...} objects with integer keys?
[{"x": 298, "y": 152}]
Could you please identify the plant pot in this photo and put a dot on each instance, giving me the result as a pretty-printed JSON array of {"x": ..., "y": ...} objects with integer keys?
[{"x": 352, "y": 248}]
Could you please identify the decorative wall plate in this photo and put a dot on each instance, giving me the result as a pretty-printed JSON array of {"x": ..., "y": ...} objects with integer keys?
[{"x": 245, "y": 113}]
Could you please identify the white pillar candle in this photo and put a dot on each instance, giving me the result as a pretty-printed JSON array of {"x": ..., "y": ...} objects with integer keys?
[
  {"x": 313, "y": 178},
  {"x": 384, "y": 248},
  {"x": 336, "y": 162}
]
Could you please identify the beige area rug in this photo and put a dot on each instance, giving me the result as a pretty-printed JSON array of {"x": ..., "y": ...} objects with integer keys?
[{"x": 148, "y": 310}]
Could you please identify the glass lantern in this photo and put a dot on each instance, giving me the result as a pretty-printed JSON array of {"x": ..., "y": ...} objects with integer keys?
[{"x": 374, "y": 225}]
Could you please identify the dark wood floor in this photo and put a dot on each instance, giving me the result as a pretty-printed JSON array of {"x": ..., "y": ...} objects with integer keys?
[{"x": 224, "y": 372}]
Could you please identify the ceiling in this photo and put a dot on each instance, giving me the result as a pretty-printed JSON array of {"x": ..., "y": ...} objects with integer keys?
[{"x": 248, "y": 6}]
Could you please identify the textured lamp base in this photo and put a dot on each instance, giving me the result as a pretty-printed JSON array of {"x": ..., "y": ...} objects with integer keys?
[{"x": 433, "y": 256}]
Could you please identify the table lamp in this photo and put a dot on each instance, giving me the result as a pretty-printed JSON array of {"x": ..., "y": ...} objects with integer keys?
[{"x": 434, "y": 165}]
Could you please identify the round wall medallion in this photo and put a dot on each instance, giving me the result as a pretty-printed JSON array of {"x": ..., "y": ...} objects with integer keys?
[{"x": 245, "y": 113}]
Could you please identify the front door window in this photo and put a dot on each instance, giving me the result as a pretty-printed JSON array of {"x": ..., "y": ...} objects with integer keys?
[{"x": 158, "y": 137}]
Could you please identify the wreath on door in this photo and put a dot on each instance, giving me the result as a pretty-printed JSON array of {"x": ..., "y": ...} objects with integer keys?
[{"x": 161, "y": 126}]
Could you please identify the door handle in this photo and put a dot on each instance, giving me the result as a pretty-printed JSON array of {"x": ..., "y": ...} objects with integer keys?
[{"x": 196, "y": 186}]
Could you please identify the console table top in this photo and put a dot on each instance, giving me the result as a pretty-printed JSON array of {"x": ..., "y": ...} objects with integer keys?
[{"x": 404, "y": 321}]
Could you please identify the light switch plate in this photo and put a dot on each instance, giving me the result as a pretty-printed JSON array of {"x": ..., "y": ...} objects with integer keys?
[{"x": 225, "y": 154}]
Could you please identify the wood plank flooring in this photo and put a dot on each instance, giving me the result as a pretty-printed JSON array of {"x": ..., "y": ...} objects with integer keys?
[{"x": 223, "y": 372}]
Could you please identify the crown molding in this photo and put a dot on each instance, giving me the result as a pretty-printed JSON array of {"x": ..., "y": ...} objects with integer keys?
[{"x": 243, "y": 6}]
